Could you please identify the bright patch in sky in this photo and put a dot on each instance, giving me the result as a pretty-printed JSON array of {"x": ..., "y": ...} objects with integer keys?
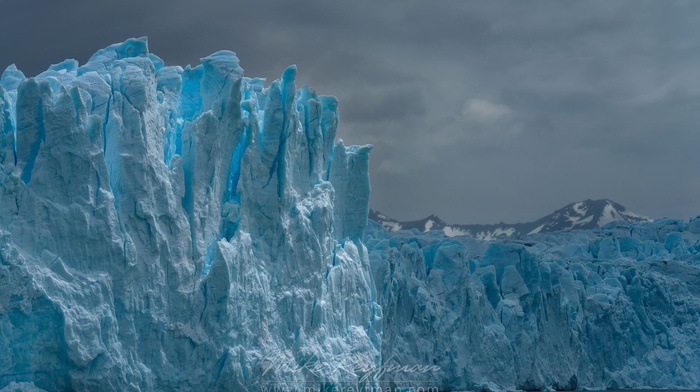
[{"x": 483, "y": 111}]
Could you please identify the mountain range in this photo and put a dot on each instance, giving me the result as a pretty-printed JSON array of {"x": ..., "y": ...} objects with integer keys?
[{"x": 587, "y": 214}]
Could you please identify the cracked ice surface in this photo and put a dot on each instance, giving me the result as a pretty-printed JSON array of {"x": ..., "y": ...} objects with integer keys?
[
  {"x": 617, "y": 307},
  {"x": 165, "y": 228}
]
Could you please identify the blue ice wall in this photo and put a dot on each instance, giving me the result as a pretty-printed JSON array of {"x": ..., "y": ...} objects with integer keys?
[{"x": 169, "y": 228}]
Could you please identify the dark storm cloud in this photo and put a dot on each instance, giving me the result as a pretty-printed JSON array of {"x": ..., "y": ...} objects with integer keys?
[
  {"x": 394, "y": 104},
  {"x": 480, "y": 111}
]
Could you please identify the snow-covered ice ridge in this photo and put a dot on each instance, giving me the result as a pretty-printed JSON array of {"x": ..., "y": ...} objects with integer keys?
[
  {"x": 178, "y": 229},
  {"x": 614, "y": 307}
]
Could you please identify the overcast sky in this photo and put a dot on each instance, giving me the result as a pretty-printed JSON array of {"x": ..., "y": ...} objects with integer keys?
[{"x": 479, "y": 111}]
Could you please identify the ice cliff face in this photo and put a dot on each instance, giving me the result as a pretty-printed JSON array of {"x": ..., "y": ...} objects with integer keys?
[
  {"x": 617, "y": 307},
  {"x": 179, "y": 229}
]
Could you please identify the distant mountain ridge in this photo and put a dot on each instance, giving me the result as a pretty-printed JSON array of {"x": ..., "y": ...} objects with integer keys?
[{"x": 587, "y": 214}]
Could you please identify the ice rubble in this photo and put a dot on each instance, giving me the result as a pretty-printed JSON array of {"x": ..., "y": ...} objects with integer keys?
[
  {"x": 179, "y": 229},
  {"x": 191, "y": 229}
]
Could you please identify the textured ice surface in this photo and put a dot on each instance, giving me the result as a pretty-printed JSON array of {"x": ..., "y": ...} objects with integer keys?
[
  {"x": 617, "y": 307},
  {"x": 191, "y": 229},
  {"x": 179, "y": 229}
]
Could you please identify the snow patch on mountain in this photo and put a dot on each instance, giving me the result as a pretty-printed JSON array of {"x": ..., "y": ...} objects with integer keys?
[{"x": 586, "y": 214}]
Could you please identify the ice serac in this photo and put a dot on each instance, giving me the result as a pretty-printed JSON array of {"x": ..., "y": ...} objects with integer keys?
[
  {"x": 169, "y": 228},
  {"x": 610, "y": 308}
]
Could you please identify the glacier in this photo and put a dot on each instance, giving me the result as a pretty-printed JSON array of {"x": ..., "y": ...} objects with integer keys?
[
  {"x": 168, "y": 228},
  {"x": 610, "y": 308},
  {"x": 192, "y": 229}
]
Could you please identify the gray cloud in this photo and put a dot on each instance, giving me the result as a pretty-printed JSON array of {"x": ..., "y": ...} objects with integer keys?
[{"x": 480, "y": 111}]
